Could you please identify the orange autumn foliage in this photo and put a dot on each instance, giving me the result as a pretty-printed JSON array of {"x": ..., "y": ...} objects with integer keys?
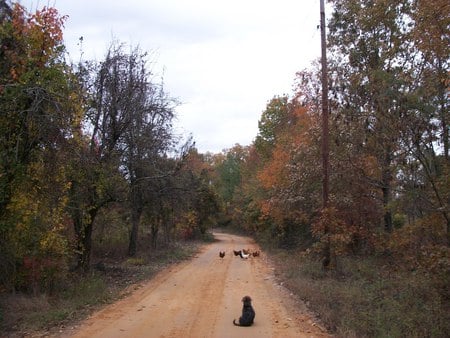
[
  {"x": 432, "y": 22},
  {"x": 277, "y": 173},
  {"x": 421, "y": 245},
  {"x": 293, "y": 135},
  {"x": 35, "y": 38}
]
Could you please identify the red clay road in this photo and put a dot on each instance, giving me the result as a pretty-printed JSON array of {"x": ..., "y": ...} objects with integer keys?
[{"x": 201, "y": 297}]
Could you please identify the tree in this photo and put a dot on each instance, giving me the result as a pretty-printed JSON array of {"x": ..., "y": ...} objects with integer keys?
[
  {"x": 430, "y": 35},
  {"x": 31, "y": 95},
  {"x": 228, "y": 170},
  {"x": 129, "y": 119},
  {"x": 94, "y": 171},
  {"x": 428, "y": 135},
  {"x": 291, "y": 178},
  {"x": 390, "y": 76},
  {"x": 39, "y": 125},
  {"x": 372, "y": 35},
  {"x": 147, "y": 113},
  {"x": 273, "y": 120},
  {"x": 206, "y": 203}
]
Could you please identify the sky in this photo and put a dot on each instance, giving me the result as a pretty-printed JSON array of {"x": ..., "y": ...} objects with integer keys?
[{"x": 222, "y": 60}]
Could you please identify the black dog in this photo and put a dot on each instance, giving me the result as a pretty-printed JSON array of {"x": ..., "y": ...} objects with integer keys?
[{"x": 248, "y": 314}]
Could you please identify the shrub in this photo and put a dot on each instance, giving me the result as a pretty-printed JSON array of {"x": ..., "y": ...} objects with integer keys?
[{"x": 369, "y": 297}]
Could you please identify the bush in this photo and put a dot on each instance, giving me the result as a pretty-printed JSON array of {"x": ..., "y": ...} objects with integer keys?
[
  {"x": 87, "y": 290},
  {"x": 368, "y": 297}
]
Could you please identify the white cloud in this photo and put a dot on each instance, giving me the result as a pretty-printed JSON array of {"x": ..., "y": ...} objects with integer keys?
[{"x": 222, "y": 59}]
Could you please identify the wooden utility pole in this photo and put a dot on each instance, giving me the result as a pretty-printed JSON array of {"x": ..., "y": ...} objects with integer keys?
[{"x": 325, "y": 132}]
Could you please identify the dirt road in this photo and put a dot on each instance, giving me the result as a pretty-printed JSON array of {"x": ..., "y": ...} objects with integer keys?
[{"x": 201, "y": 297}]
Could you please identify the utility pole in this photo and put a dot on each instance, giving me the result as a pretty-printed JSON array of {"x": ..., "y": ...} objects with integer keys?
[{"x": 325, "y": 131}]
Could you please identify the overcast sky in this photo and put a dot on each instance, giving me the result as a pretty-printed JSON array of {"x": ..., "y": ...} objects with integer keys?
[{"x": 223, "y": 60}]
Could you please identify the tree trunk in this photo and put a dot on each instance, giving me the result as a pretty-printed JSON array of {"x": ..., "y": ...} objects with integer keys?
[
  {"x": 136, "y": 213},
  {"x": 87, "y": 245},
  {"x": 443, "y": 92},
  {"x": 386, "y": 201},
  {"x": 448, "y": 231},
  {"x": 83, "y": 232},
  {"x": 155, "y": 229},
  {"x": 166, "y": 224},
  {"x": 386, "y": 188}
]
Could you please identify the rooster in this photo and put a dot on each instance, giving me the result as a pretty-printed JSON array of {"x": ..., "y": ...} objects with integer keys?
[{"x": 222, "y": 254}]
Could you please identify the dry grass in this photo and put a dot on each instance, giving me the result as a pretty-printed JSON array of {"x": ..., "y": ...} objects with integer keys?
[
  {"x": 21, "y": 315},
  {"x": 368, "y": 298}
]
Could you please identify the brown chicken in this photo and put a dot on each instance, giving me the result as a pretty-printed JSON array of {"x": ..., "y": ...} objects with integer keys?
[{"x": 222, "y": 254}]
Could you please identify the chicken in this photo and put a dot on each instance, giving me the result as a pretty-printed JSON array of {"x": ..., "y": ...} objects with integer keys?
[
  {"x": 244, "y": 256},
  {"x": 255, "y": 253},
  {"x": 237, "y": 253},
  {"x": 222, "y": 254}
]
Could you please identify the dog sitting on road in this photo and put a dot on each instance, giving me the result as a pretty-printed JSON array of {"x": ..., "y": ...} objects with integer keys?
[{"x": 248, "y": 313}]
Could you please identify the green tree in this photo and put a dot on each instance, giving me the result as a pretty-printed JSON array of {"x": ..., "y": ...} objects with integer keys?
[
  {"x": 273, "y": 120},
  {"x": 229, "y": 172}
]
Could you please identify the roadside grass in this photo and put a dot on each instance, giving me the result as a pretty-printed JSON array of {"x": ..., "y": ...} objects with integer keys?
[
  {"x": 366, "y": 297},
  {"x": 28, "y": 313},
  {"x": 24, "y": 314},
  {"x": 207, "y": 237}
]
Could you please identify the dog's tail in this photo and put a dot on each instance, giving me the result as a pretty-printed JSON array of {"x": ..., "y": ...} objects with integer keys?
[{"x": 234, "y": 322}]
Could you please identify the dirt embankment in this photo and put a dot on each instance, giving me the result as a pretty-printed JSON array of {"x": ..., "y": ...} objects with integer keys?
[{"x": 201, "y": 297}]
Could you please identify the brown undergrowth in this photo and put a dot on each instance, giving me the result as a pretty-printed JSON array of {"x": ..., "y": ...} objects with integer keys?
[
  {"x": 24, "y": 315},
  {"x": 368, "y": 297}
]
